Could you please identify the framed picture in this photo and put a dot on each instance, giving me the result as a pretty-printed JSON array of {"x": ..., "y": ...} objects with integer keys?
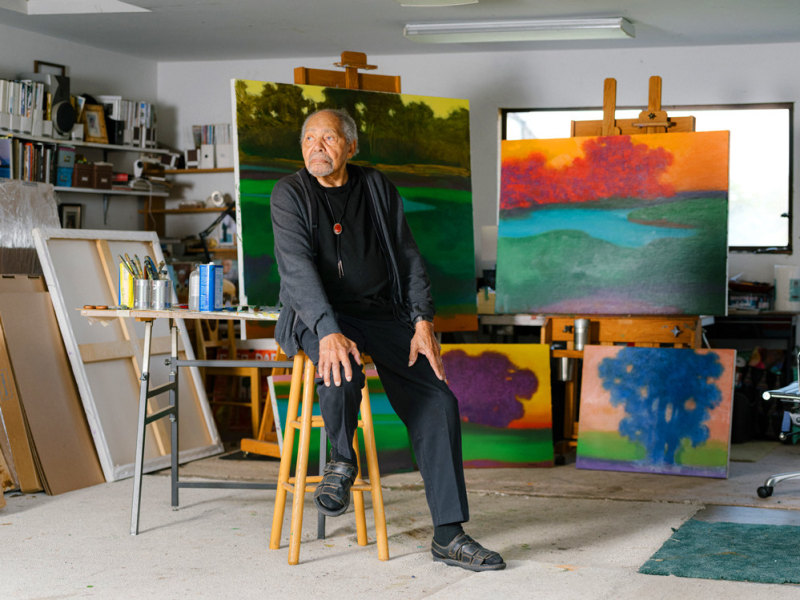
[
  {"x": 95, "y": 124},
  {"x": 70, "y": 215},
  {"x": 40, "y": 66}
]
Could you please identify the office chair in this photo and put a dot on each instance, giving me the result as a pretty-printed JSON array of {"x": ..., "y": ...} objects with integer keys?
[{"x": 790, "y": 428}]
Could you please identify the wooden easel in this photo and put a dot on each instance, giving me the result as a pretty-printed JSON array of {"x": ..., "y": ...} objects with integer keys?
[
  {"x": 266, "y": 442},
  {"x": 649, "y": 331}
]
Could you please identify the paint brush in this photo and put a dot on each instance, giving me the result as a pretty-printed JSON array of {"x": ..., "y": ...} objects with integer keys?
[{"x": 126, "y": 265}]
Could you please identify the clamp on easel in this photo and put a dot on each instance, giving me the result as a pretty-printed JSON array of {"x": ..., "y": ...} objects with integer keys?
[
  {"x": 651, "y": 120},
  {"x": 350, "y": 78}
]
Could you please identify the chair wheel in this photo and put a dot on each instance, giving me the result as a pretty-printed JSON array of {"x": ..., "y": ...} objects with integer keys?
[{"x": 764, "y": 491}]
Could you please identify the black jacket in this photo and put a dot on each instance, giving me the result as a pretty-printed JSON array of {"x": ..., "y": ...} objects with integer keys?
[{"x": 301, "y": 293}]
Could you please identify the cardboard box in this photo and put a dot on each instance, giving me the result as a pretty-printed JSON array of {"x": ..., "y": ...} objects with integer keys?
[
  {"x": 101, "y": 175},
  {"x": 64, "y": 176},
  {"x": 82, "y": 176}
]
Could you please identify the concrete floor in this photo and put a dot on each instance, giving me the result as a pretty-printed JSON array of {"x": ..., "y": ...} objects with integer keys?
[{"x": 564, "y": 532}]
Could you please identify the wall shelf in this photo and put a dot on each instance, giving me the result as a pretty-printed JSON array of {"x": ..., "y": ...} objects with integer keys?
[
  {"x": 111, "y": 192},
  {"x": 184, "y": 211},
  {"x": 193, "y": 171},
  {"x": 65, "y": 142}
]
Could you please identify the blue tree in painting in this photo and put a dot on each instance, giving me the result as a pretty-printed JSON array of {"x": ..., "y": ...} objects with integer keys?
[{"x": 668, "y": 395}]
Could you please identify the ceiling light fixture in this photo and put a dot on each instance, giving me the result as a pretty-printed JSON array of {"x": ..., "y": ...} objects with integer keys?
[
  {"x": 522, "y": 30},
  {"x": 70, "y": 7},
  {"x": 434, "y": 3}
]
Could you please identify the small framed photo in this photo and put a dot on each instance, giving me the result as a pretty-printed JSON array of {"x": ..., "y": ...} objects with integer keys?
[
  {"x": 70, "y": 215},
  {"x": 94, "y": 121},
  {"x": 40, "y": 66}
]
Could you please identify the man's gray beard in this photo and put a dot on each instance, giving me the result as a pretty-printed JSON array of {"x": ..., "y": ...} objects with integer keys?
[{"x": 320, "y": 171}]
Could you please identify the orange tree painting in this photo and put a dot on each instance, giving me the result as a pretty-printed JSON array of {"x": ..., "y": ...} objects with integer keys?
[
  {"x": 614, "y": 225},
  {"x": 421, "y": 143}
]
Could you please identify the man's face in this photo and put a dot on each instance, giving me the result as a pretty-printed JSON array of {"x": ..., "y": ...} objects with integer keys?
[{"x": 325, "y": 149}]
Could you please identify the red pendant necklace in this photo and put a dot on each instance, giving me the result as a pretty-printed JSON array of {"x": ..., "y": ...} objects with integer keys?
[{"x": 337, "y": 230}]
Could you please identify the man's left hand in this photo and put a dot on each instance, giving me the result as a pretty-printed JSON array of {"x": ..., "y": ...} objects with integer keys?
[{"x": 424, "y": 342}]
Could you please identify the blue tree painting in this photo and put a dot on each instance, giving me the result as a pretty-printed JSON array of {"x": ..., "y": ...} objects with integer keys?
[{"x": 666, "y": 410}]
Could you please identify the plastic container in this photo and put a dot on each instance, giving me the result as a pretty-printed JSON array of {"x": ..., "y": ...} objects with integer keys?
[{"x": 194, "y": 290}]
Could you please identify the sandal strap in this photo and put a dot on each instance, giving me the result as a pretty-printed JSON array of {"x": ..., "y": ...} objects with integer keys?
[
  {"x": 340, "y": 468},
  {"x": 464, "y": 550}
]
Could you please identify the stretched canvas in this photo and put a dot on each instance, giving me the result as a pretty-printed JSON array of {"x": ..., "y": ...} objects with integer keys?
[
  {"x": 656, "y": 410},
  {"x": 503, "y": 393},
  {"x": 420, "y": 143},
  {"x": 614, "y": 225}
]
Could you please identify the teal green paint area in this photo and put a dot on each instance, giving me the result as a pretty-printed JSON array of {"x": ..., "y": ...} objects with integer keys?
[{"x": 566, "y": 269}]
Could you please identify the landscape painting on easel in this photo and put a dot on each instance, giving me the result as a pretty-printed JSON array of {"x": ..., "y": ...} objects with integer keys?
[
  {"x": 503, "y": 393},
  {"x": 614, "y": 225},
  {"x": 656, "y": 410},
  {"x": 420, "y": 143}
]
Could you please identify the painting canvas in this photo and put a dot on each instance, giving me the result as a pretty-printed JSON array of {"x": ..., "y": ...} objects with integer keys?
[
  {"x": 614, "y": 225},
  {"x": 656, "y": 410},
  {"x": 503, "y": 393},
  {"x": 421, "y": 143}
]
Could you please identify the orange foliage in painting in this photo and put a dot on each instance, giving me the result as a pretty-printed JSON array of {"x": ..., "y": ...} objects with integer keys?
[{"x": 611, "y": 167}]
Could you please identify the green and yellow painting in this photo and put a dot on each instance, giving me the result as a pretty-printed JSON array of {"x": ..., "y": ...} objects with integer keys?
[
  {"x": 420, "y": 143},
  {"x": 656, "y": 410},
  {"x": 614, "y": 225}
]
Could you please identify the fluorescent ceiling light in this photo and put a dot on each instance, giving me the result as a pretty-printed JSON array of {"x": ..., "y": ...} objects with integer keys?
[
  {"x": 434, "y": 3},
  {"x": 522, "y": 30},
  {"x": 70, "y": 7}
]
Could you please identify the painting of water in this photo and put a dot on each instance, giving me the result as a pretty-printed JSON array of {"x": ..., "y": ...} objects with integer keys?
[{"x": 614, "y": 225}]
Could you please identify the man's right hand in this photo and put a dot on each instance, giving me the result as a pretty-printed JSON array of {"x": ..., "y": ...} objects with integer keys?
[{"x": 334, "y": 354}]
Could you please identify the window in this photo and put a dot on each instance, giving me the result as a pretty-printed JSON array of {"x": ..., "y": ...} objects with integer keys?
[{"x": 760, "y": 179}]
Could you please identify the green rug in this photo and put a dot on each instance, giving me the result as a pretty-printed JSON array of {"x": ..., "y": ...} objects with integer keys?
[{"x": 733, "y": 551}]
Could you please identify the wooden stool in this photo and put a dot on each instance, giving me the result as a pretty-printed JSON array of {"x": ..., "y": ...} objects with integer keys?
[{"x": 298, "y": 484}]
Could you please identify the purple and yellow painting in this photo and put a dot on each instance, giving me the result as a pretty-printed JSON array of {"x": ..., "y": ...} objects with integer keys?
[
  {"x": 420, "y": 143},
  {"x": 656, "y": 410},
  {"x": 614, "y": 225},
  {"x": 503, "y": 393}
]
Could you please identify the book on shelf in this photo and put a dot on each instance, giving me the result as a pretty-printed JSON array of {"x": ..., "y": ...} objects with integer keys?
[{"x": 6, "y": 157}]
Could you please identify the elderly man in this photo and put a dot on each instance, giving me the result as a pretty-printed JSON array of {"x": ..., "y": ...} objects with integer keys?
[{"x": 352, "y": 281}]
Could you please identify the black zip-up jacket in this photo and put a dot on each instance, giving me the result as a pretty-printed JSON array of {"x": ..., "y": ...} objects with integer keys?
[{"x": 302, "y": 295}]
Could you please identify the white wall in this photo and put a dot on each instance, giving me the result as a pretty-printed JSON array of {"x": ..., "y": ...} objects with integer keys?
[
  {"x": 200, "y": 93},
  {"x": 94, "y": 72}
]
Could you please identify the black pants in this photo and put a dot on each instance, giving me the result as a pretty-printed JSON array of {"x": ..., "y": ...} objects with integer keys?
[{"x": 424, "y": 404}]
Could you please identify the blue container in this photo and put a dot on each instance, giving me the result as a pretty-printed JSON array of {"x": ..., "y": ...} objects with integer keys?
[{"x": 210, "y": 287}]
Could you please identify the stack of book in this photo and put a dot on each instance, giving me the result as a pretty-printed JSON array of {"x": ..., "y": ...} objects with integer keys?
[
  {"x": 214, "y": 145},
  {"x": 129, "y": 122}
]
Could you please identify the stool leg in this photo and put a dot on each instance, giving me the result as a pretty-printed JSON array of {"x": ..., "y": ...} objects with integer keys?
[
  {"x": 286, "y": 455},
  {"x": 374, "y": 476},
  {"x": 358, "y": 501},
  {"x": 301, "y": 467}
]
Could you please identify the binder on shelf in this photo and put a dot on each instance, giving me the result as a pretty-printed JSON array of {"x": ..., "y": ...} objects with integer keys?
[
  {"x": 206, "y": 159},
  {"x": 224, "y": 155}
]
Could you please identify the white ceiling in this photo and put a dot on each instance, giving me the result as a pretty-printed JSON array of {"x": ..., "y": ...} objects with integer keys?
[{"x": 178, "y": 30}]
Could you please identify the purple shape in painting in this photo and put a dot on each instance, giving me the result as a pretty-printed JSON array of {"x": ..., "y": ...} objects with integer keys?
[{"x": 488, "y": 386}]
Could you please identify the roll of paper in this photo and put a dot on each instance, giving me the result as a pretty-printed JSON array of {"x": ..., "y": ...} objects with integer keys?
[
  {"x": 787, "y": 288},
  {"x": 216, "y": 199}
]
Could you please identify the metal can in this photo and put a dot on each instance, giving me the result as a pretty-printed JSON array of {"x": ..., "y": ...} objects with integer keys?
[
  {"x": 142, "y": 292},
  {"x": 160, "y": 294}
]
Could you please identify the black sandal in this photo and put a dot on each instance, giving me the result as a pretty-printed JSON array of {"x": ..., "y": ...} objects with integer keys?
[
  {"x": 465, "y": 552},
  {"x": 337, "y": 477}
]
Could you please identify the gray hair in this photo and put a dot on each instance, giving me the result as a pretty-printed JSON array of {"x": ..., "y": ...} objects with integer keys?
[{"x": 348, "y": 125}]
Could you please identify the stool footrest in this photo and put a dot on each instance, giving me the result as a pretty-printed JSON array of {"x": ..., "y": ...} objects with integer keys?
[{"x": 359, "y": 485}]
